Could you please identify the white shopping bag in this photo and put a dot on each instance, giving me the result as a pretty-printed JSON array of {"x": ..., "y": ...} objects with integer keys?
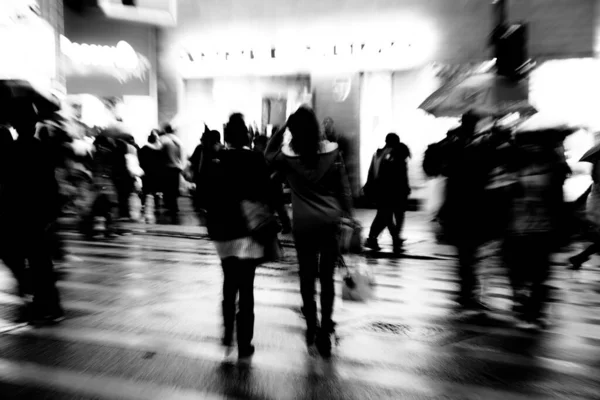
[{"x": 358, "y": 281}]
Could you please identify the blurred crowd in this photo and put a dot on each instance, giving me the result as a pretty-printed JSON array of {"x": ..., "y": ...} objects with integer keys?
[{"x": 501, "y": 184}]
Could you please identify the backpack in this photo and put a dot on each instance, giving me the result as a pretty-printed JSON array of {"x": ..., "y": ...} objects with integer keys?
[{"x": 433, "y": 160}]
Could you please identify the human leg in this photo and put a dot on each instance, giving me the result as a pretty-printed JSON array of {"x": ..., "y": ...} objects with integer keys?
[
  {"x": 382, "y": 219},
  {"x": 171, "y": 193},
  {"x": 245, "y": 316},
  {"x": 328, "y": 260},
  {"x": 578, "y": 260},
  {"x": 230, "y": 288},
  {"x": 466, "y": 272},
  {"x": 538, "y": 274},
  {"x": 308, "y": 260},
  {"x": 516, "y": 260},
  {"x": 46, "y": 298}
]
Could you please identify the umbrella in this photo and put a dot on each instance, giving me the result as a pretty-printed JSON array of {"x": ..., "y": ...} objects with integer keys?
[
  {"x": 485, "y": 93},
  {"x": 591, "y": 155},
  {"x": 16, "y": 93}
]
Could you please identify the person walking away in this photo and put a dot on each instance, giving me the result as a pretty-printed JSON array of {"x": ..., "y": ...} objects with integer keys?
[
  {"x": 124, "y": 181},
  {"x": 240, "y": 175},
  {"x": 321, "y": 197},
  {"x": 173, "y": 153},
  {"x": 592, "y": 211},
  {"x": 535, "y": 223},
  {"x": 58, "y": 151},
  {"x": 29, "y": 205},
  {"x": 202, "y": 161},
  {"x": 105, "y": 159},
  {"x": 150, "y": 157},
  {"x": 465, "y": 161},
  {"x": 389, "y": 188}
]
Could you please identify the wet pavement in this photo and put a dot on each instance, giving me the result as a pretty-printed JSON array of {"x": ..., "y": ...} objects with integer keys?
[{"x": 144, "y": 323}]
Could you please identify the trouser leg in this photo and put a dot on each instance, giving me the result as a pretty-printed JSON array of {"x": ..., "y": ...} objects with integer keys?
[
  {"x": 399, "y": 214},
  {"x": 466, "y": 271},
  {"x": 516, "y": 260},
  {"x": 538, "y": 276},
  {"x": 123, "y": 194},
  {"x": 171, "y": 193},
  {"x": 328, "y": 261},
  {"x": 308, "y": 261},
  {"x": 46, "y": 299},
  {"x": 382, "y": 220},
  {"x": 230, "y": 289},
  {"x": 245, "y": 316}
]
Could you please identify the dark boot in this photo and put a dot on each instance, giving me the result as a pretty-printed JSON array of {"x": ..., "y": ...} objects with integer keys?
[
  {"x": 323, "y": 342},
  {"x": 372, "y": 244}
]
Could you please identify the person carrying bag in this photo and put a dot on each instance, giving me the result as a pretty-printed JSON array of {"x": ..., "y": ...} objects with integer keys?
[
  {"x": 237, "y": 199},
  {"x": 321, "y": 197}
]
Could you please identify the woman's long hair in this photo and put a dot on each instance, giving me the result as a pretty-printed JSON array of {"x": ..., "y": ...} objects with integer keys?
[{"x": 306, "y": 134}]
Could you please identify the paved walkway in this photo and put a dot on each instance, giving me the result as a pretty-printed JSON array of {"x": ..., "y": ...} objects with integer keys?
[{"x": 144, "y": 323}]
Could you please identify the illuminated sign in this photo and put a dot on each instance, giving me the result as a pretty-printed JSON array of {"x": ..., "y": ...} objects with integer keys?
[
  {"x": 312, "y": 51},
  {"x": 120, "y": 61},
  {"x": 409, "y": 52}
]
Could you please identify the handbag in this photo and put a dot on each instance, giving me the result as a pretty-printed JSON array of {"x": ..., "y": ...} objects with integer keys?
[
  {"x": 261, "y": 221},
  {"x": 358, "y": 281},
  {"x": 350, "y": 237},
  {"x": 273, "y": 250}
]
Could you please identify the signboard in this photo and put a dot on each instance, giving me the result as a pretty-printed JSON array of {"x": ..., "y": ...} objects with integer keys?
[
  {"x": 121, "y": 61},
  {"x": 107, "y": 58}
]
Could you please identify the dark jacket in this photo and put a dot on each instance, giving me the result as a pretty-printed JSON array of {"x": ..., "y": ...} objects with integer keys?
[
  {"x": 151, "y": 158},
  {"x": 468, "y": 163},
  {"x": 30, "y": 196},
  {"x": 321, "y": 194},
  {"x": 235, "y": 175},
  {"x": 387, "y": 181}
]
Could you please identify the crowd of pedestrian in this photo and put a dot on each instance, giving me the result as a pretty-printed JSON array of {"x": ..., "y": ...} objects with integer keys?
[{"x": 499, "y": 185}]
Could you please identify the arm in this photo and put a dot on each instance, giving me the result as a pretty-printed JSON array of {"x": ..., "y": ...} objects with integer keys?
[
  {"x": 345, "y": 195},
  {"x": 274, "y": 146},
  {"x": 370, "y": 177}
]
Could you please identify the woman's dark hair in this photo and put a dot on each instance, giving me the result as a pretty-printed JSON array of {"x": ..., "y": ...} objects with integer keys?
[
  {"x": 306, "y": 134},
  {"x": 236, "y": 131}
]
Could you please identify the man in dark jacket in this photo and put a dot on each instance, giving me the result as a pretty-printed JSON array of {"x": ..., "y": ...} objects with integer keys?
[
  {"x": 28, "y": 206},
  {"x": 388, "y": 186},
  {"x": 151, "y": 157},
  {"x": 468, "y": 160}
]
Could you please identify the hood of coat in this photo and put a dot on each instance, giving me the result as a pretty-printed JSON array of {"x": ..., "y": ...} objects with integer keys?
[
  {"x": 154, "y": 146},
  {"x": 325, "y": 147},
  {"x": 328, "y": 158}
]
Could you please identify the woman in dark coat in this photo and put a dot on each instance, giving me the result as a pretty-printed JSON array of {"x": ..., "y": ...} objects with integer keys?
[
  {"x": 237, "y": 174},
  {"x": 321, "y": 196}
]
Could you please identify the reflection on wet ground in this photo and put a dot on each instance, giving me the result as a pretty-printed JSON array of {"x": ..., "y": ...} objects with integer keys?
[{"x": 144, "y": 323}]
